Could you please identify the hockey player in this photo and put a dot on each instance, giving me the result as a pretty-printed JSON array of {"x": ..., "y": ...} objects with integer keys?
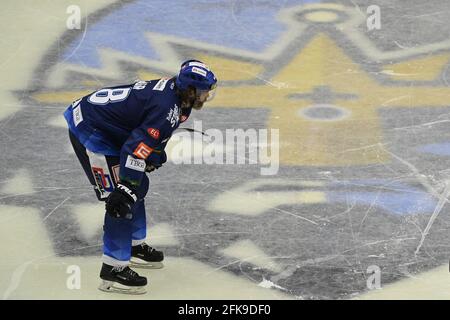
[{"x": 119, "y": 134}]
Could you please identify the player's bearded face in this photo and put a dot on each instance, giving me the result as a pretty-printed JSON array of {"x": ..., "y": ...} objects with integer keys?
[
  {"x": 202, "y": 97},
  {"x": 197, "y": 105}
]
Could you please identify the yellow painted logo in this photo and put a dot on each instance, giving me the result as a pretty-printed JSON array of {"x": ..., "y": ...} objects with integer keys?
[{"x": 324, "y": 101}]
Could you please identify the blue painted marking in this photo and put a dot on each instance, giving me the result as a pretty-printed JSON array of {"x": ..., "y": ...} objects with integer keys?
[
  {"x": 442, "y": 149},
  {"x": 395, "y": 198},
  {"x": 249, "y": 25}
]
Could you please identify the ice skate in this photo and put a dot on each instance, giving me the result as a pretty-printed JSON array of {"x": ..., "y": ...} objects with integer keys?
[
  {"x": 144, "y": 256},
  {"x": 121, "y": 280}
]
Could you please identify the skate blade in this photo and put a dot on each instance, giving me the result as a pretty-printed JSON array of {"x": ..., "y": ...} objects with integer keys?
[
  {"x": 115, "y": 287},
  {"x": 138, "y": 263}
]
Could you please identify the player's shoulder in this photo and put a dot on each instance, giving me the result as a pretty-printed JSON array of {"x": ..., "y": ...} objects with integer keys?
[
  {"x": 163, "y": 92},
  {"x": 163, "y": 86},
  {"x": 164, "y": 106}
]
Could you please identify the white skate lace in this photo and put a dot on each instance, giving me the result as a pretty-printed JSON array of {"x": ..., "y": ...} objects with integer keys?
[
  {"x": 131, "y": 272},
  {"x": 118, "y": 268},
  {"x": 147, "y": 247},
  {"x": 126, "y": 269}
]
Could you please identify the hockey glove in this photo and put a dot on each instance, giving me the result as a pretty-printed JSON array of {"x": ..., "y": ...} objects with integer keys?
[
  {"x": 151, "y": 167},
  {"x": 120, "y": 201},
  {"x": 156, "y": 161}
]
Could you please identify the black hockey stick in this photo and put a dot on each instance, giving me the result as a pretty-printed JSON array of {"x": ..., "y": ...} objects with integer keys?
[{"x": 192, "y": 130}]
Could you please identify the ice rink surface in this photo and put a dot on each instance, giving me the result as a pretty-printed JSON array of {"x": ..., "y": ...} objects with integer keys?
[{"x": 358, "y": 208}]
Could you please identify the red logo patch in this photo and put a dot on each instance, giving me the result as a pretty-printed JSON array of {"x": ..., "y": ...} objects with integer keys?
[
  {"x": 142, "y": 151},
  {"x": 154, "y": 133}
]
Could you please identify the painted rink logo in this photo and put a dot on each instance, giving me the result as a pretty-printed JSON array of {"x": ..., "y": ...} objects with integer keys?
[{"x": 327, "y": 106}]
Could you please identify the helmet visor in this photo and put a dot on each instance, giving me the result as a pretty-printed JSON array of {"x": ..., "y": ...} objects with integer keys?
[{"x": 206, "y": 95}]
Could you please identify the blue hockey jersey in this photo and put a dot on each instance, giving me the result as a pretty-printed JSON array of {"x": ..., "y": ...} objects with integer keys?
[{"x": 133, "y": 122}]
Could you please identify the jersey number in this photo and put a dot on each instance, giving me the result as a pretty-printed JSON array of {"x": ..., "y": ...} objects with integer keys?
[{"x": 106, "y": 96}]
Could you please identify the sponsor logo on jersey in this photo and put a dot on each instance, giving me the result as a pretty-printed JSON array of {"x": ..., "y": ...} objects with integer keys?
[
  {"x": 142, "y": 151},
  {"x": 115, "y": 172},
  {"x": 77, "y": 115},
  {"x": 135, "y": 164},
  {"x": 161, "y": 85},
  {"x": 140, "y": 85},
  {"x": 174, "y": 116},
  {"x": 154, "y": 133},
  {"x": 103, "y": 180}
]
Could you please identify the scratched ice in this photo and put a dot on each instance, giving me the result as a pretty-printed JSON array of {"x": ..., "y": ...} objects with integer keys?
[{"x": 364, "y": 147}]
